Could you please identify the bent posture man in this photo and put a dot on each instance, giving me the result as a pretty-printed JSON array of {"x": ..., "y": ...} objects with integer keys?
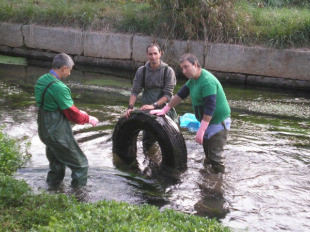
[
  {"x": 55, "y": 113},
  {"x": 210, "y": 106}
]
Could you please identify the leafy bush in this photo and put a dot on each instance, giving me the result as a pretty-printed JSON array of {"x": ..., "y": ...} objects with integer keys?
[
  {"x": 12, "y": 192},
  {"x": 11, "y": 157},
  {"x": 187, "y": 19}
]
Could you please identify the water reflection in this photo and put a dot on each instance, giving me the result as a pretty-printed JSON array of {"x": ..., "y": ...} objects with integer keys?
[{"x": 266, "y": 183}]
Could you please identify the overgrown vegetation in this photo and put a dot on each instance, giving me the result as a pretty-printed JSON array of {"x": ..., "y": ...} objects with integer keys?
[
  {"x": 11, "y": 157},
  {"x": 276, "y": 23},
  {"x": 22, "y": 210}
]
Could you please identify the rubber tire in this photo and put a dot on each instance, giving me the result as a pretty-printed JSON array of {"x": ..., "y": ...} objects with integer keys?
[{"x": 163, "y": 128}]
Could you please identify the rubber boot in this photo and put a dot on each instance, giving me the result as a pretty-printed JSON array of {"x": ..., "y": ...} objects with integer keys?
[
  {"x": 214, "y": 149},
  {"x": 148, "y": 141}
]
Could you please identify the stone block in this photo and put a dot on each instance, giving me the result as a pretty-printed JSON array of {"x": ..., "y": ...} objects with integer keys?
[
  {"x": 109, "y": 46},
  {"x": 53, "y": 39},
  {"x": 258, "y": 61},
  {"x": 104, "y": 63},
  {"x": 230, "y": 77},
  {"x": 11, "y": 35},
  {"x": 139, "y": 44}
]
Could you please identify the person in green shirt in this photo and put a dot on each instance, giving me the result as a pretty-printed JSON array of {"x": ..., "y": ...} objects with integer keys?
[
  {"x": 210, "y": 106},
  {"x": 56, "y": 110}
]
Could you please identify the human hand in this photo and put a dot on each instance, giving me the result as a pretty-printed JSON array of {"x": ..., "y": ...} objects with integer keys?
[
  {"x": 201, "y": 131},
  {"x": 127, "y": 113},
  {"x": 93, "y": 120},
  {"x": 83, "y": 112},
  {"x": 161, "y": 112},
  {"x": 147, "y": 107}
]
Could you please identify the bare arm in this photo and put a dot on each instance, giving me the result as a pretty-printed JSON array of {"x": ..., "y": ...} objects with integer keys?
[
  {"x": 175, "y": 101},
  {"x": 131, "y": 104},
  {"x": 160, "y": 102}
]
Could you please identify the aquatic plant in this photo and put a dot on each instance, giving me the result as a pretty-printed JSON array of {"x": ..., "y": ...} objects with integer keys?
[{"x": 11, "y": 157}]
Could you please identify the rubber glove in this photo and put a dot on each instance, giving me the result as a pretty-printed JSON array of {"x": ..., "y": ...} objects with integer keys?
[
  {"x": 161, "y": 112},
  {"x": 93, "y": 120},
  {"x": 201, "y": 131}
]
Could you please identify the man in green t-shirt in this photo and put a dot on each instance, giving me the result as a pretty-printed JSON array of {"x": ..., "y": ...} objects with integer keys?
[
  {"x": 56, "y": 110},
  {"x": 210, "y": 106}
]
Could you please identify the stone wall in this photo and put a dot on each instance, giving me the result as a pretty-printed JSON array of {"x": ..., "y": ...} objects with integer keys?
[{"x": 252, "y": 65}]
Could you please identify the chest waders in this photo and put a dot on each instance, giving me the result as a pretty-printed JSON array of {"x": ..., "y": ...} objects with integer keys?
[
  {"x": 149, "y": 96},
  {"x": 62, "y": 149}
]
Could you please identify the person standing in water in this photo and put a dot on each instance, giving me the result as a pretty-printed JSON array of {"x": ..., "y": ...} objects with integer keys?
[
  {"x": 210, "y": 106},
  {"x": 56, "y": 111},
  {"x": 157, "y": 80}
]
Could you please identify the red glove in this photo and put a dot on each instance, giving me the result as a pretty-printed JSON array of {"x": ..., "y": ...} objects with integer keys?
[
  {"x": 201, "y": 131},
  {"x": 161, "y": 112}
]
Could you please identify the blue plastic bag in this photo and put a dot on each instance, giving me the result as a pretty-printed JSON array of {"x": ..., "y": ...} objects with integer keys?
[{"x": 190, "y": 122}]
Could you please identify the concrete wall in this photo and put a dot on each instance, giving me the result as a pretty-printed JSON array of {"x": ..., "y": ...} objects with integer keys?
[{"x": 255, "y": 65}]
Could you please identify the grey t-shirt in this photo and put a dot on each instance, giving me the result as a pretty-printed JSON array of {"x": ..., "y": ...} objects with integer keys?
[{"x": 154, "y": 79}]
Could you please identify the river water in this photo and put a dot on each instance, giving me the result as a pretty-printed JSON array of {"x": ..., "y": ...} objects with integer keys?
[{"x": 266, "y": 185}]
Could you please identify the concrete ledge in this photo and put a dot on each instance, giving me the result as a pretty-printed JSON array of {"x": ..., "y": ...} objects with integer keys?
[
  {"x": 11, "y": 35},
  {"x": 231, "y": 77},
  {"x": 112, "y": 46},
  {"x": 28, "y": 53},
  {"x": 278, "y": 82},
  {"x": 139, "y": 44},
  {"x": 172, "y": 49},
  {"x": 53, "y": 39},
  {"x": 236, "y": 63},
  {"x": 259, "y": 61},
  {"x": 99, "y": 62}
]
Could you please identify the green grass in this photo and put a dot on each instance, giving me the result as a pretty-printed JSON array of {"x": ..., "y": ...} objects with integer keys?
[
  {"x": 275, "y": 27},
  {"x": 22, "y": 210},
  {"x": 280, "y": 24},
  {"x": 92, "y": 15}
]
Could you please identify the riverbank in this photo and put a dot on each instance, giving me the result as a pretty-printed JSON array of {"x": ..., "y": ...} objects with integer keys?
[
  {"x": 23, "y": 210},
  {"x": 286, "y": 68},
  {"x": 270, "y": 127}
]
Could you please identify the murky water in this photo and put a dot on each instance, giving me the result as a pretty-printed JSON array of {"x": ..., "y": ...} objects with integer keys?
[{"x": 266, "y": 186}]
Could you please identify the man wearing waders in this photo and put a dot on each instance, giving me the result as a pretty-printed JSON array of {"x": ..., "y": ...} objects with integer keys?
[
  {"x": 210, "y": 106},
  {"x": 56, "y": 110},
  {"x": 157, "y": 80}
]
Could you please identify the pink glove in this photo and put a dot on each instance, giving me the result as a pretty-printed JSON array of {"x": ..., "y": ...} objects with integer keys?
[
  {"x": 93, "y": 121},
  {"x": 163, "y": 111},
  {"x": 201, "y": 131}
]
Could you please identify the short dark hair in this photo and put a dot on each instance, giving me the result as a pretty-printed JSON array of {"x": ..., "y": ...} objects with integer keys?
[
  {"x": 62, "y": 60},
  {"x": 191, "y": 58},
  {"x": 153, "y": 45}
]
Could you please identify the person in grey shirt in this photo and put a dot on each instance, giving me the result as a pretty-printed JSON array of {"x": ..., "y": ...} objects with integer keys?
[{"x": 157, "y": 80}]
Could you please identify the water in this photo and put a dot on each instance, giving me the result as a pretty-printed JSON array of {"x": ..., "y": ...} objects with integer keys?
[{"x": 266, "y": 186}]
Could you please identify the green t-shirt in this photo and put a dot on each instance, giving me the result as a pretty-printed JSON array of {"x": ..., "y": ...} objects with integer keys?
[
  {"x": 206, "y": 85},
  {"x": 57, "y": 96}
]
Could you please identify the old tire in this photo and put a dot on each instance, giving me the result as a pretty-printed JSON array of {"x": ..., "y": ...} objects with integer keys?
[{"x": 163, "y": 128}]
